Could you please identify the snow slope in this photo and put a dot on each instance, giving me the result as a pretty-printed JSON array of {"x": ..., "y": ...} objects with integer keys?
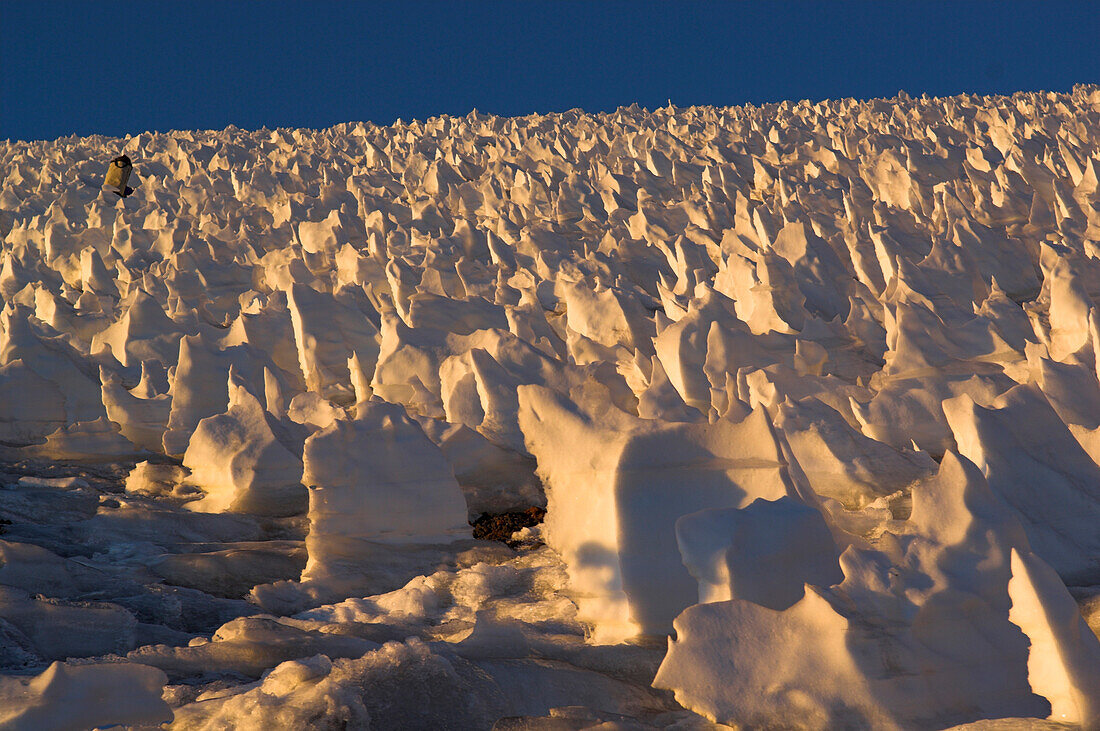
[{"x": 810, "y": 393}]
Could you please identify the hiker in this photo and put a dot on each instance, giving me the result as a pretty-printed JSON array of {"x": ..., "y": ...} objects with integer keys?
[{"x": 118, "y": 174}]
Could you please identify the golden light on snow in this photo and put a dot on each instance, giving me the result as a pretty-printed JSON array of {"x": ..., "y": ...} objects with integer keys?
[{"x": 810, "y": 393}]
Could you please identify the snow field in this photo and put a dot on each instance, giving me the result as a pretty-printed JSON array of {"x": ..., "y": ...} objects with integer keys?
[{"x": 810, "y": 392}]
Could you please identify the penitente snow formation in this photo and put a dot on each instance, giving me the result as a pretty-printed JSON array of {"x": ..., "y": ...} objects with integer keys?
[{"x": 779, "y": 416}]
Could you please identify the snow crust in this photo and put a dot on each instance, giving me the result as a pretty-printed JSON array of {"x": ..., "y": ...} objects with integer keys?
[{"x": 810, "y": 393}]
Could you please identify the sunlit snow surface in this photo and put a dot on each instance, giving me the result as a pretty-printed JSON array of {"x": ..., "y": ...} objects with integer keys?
[{"x": 809, "y": 391}]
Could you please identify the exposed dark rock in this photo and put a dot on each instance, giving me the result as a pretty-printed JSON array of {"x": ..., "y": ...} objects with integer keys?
[{"x": 501, "y": 526}]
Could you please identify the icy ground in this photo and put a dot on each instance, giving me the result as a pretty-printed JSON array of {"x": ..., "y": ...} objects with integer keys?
[{"x": 809, "y": 393}]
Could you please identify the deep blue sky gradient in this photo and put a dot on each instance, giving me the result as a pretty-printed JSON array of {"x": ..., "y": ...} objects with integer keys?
[{"x": 117, "y": 67}]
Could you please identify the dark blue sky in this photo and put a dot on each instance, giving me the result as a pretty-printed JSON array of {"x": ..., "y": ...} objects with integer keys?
[{"x": 117, "y": 67}]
